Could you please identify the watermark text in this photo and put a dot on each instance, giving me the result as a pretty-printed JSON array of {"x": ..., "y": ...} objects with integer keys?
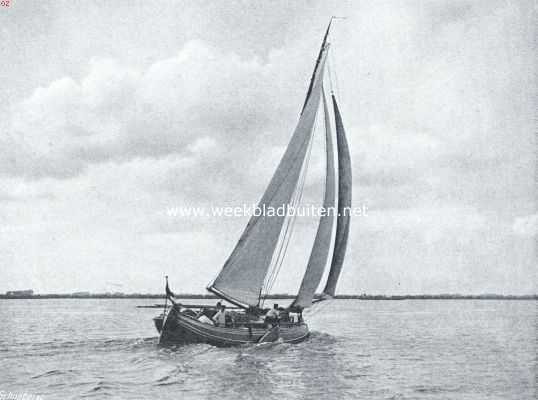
[{"x": 265, "y": 211}]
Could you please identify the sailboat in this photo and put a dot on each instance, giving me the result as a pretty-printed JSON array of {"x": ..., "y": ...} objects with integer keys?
[{"x": 250, "y": 270}]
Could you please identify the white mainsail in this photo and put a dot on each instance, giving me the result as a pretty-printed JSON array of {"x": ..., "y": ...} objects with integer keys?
[{"x": 242, "y": 276}]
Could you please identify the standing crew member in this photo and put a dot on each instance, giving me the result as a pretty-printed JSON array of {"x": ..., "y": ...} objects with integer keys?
[
  {"x": 272, "y": 316},
  {"x": 220, "y": 316}
]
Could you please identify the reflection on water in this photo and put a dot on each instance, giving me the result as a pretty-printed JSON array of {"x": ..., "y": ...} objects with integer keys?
[{"x": 428, "y": 349}]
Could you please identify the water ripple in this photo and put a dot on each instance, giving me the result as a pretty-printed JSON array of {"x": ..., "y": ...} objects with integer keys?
[{"x": 400, "y": 350}]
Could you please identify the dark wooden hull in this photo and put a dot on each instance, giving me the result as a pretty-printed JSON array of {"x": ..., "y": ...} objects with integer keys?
[
  {"x": 158, "y": 321},
  {"x": 181, "y": 329}
]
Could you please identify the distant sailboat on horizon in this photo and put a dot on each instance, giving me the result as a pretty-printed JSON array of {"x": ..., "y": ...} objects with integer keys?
[{"x": 250, "y": 271}]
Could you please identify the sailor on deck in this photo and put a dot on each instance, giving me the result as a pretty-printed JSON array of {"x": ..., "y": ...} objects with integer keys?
[
  {"x": 220, "y": 317},
  {"x": 272, "y": 315}
]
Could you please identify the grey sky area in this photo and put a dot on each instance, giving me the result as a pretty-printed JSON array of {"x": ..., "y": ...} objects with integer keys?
[{"x": 114, "y": 111}]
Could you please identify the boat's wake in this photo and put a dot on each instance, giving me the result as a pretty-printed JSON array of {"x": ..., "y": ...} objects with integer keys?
[{"x": 321, "y": 338}]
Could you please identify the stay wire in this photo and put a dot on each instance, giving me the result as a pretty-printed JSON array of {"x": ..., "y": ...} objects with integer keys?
[{"x": 291, "y": 221}]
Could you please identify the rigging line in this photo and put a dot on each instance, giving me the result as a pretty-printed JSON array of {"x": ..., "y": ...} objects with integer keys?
[
  {"x": 330, "y": 61},
  {"x": 330, "y": 76},
  {"x": 281, "y": 241},
  {"x": 277, "y": 262},
  {"x": 326, "y": 120},
  {"x": 297, "y": 201},
  {"x": 336, "y": 86},
  {"x": 284, "y": 248},
  {"x": 283, "y": 245},
  {"x": 274, "y": 261},
  {"x": 251, "y": 223}
]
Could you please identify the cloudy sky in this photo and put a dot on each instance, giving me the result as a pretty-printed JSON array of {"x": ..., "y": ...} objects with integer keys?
[{"x": 112, "y": 112}]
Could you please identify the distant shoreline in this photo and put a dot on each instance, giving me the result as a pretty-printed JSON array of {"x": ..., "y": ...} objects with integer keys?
[{"x": 278, "y": 296}]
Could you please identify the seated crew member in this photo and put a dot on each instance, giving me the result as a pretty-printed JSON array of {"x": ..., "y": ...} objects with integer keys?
[
  {"x": 210, "y": 312},
  {"x": 220, "y": 317},
  {"x": 203, "y": 318},
  {"x": 272, "y": 316}
]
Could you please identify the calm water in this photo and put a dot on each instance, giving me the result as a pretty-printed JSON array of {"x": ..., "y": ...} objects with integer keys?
[{"x": 70, "y": 349}]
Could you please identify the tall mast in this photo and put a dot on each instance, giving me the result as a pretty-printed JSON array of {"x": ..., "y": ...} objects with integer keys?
[
  {"x": 323, "y": 44},
  {"x": 244, "y": 272}
]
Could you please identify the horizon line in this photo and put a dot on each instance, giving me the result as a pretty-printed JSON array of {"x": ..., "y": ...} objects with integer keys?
[{"x": 20, "y": 294}]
